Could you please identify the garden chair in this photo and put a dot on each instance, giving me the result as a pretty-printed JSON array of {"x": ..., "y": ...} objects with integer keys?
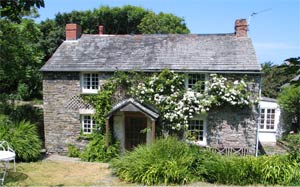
[{"x": 7, "y": 154}]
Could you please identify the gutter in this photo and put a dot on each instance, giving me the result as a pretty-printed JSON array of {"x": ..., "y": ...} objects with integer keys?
[{"x": 259, "y": 117}]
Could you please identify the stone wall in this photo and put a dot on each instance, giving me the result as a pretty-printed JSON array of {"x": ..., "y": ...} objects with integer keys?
[
  {"x": 235, "y": 127},
  {"x": 226, "y": 127},
  {"x": 62, "y": 125}
]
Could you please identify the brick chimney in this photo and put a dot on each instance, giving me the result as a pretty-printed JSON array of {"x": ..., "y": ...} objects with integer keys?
[
  {"x": 241, "y": 28},
  {"x": 73, "y": 31},
  {"x": 101, "y": 29}
]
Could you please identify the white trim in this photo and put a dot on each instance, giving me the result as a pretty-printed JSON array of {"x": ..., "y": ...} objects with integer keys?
[
  {"x": 276, "y": 119},
  {"x": 88, "y": 91},
  {"x": 86, "y": 111}
]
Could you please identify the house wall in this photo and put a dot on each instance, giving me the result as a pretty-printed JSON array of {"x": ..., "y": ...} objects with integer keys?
[
  {"x": 227, "y": 127},
  {"x": 62, "y": 125},
  {"x": 235, "y": 127},
  {"x": 230, "y": 127},
  {"x": 62, "y": 109}
]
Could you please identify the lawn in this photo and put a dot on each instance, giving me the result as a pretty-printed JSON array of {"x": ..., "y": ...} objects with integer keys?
[{"x": 59, "y": 173}]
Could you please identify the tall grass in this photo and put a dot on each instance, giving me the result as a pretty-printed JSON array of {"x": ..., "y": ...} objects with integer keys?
[
  {"x": 168, "y": 161},
  {"x": 23, "y": 138}
]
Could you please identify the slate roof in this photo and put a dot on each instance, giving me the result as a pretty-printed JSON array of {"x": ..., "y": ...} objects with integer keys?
[
  {"x": 133, "y": 105},
  {"x": 178, "y": 52}
]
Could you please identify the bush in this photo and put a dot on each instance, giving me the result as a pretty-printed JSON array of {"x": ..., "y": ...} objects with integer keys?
[
  {"x": 73, "y": 151},
  {"x": 168, "y": 161},
  {"x": 268, "y": 170},
  {"x": 97, "y": 151},
  {"x": 293, "y": 141},
  {"x": 23, "y": 138}
]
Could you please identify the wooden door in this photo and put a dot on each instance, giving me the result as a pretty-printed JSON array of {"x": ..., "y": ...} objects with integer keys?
[{"x": 133, "y": 135}]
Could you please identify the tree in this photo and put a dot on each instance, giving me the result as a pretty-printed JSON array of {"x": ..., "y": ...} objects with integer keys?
[
  {"x": 275, "y": 76},
  {"x": 162, "y": 24},
  {"x": 21, "y": 58},
  {"x": 289, "y": 100},
  {"x": 117, "y": 20},
  {"x": 14, "y": 10}
]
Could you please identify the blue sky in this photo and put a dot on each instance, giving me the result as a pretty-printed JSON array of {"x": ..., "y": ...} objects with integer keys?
[{"x": 275, "y": 33}]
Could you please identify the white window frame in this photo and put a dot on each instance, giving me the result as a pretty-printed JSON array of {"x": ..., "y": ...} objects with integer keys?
[
  {"x": 92, "y": 123},
  {"x": 187, "y": 76},
  {"x": 265, "y": 119},
  {"x": 204, "y": 141},
  {"x": 82, "y": 83}
]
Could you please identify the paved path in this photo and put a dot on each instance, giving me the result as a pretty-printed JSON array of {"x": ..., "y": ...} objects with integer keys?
[{"x": 272, "y": 148}]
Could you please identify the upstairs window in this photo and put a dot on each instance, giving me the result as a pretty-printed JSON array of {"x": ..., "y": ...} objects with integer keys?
[
  {"x": 90, "y": 82},
  {"x": 267, "y": 119},
  {"x": 88, "y": 124},
  {"x": 196, "y": 82}
]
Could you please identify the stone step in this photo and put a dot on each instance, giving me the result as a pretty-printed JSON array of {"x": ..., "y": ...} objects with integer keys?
[{"x": 271, "y": 148}]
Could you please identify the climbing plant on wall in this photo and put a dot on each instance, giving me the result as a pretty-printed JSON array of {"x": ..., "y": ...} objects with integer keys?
[{"x": 166, "y": 91}]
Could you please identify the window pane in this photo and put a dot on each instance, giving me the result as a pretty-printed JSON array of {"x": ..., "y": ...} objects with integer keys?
[
  {"x": 91, "y": 81},
  {"x": 196, "y": 79},
  {"x": 196, "y": 130}
]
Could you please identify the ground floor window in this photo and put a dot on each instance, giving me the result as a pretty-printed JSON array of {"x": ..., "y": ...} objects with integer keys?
[
  {"x": 88, "y": 124},
  {"x": 197, "y": 131},
  {"x": 267, "y": 119}
]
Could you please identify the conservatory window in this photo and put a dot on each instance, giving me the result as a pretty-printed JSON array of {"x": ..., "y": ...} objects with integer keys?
[{"x": 267, "y": 119}]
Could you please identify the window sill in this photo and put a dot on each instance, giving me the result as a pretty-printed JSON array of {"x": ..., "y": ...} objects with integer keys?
[{"x": 89, "y": 91}]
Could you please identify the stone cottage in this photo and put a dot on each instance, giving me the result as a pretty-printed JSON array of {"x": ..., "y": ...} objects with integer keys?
[{"x": 83, "y": 62}]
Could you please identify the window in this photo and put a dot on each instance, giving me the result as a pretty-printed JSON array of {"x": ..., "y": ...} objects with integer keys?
[
  {"x": 267, "y": 119},
  {"x": 197, "y": 131},
  {"x": 90, "y": 82},
  {"x": 196, "y": 81},
  {"x": 88, "y": 124}
]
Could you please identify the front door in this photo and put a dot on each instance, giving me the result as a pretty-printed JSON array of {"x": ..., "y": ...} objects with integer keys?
[{"x": 133, "y": 127}]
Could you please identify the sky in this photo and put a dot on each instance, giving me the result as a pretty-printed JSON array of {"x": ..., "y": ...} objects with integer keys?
[{"x": 274, "y": 29}]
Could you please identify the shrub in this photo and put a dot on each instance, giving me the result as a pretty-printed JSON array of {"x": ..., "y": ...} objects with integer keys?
[
  {"x": 168, "y": 161},
  {"x": 293, "y": 141},
  {"x": 267, "y": 170},
  {"x": 23, "y": 138},
  {"x": 97, "y": 151},
  {"x": 73, "y": 151}
]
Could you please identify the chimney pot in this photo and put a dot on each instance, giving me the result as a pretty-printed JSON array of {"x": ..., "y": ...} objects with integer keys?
[
  {"x": 73, "y": 31},
  {"x": 101, "y": 29},
  {"x": 241, "y": 28}
]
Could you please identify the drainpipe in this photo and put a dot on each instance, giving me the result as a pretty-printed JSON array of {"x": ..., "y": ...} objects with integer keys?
[{"x": 259, "y": 117}]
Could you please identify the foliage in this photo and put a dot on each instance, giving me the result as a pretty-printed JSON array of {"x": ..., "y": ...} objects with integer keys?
[
  {"x": 20, "y": 59},
  {"x": 268, "y": 170},
  {"x": 166, "y": 91},
  {"x": 165, "y": 162},
  {"x": 73, "y": 151},
  {"x": 96, "y": 149},
  {"x": 289, "y": 100},
  {"x": 162, "y": 24},
  {"x": 169, "y": 161},
  {"x": 275, "y": 76},
  {"x": 293, "y": 141},
  {"x": 23, "y": 138},
  {"x": 14, "y": 10},
  {"x": 116, "y": 20}
]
